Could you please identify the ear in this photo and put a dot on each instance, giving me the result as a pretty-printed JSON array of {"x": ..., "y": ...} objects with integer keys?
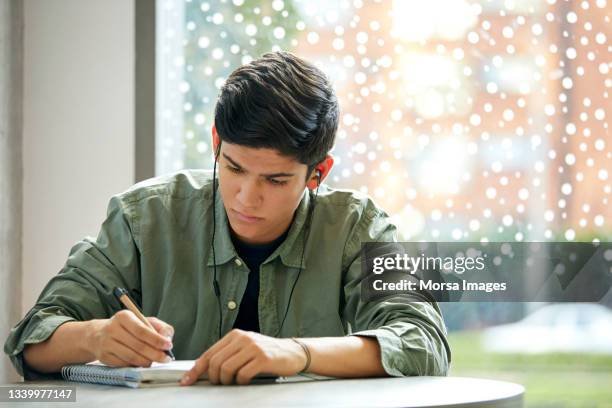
[
  {"x": 324, "y": 168},
  {"x": 215, "y": 141}
]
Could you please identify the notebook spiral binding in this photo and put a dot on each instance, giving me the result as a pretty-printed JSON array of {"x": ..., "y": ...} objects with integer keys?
[{"x": 94, "y": 374}]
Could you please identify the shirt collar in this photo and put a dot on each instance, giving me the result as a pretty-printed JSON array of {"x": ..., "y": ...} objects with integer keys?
[{"x": 290, "y": 251}]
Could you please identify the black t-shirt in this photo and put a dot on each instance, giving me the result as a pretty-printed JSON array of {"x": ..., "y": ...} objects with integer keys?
[{"x": 253, "y": 256}]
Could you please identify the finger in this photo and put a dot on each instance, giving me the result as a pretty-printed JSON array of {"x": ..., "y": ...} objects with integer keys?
[
  {"x": 139, "y": 347},
  {"x": 224, "y": 341},
  {"x": 138, "y": 329},
  {"x": 201, "y": 364},
  {"x": 162, "y": 327},
  {"x": 217, "y": 359},
  {"x": 199, "y": 368},
  {"x": 246, "y": 373},
  {"x": 128, "y": 355},
  {"x": 112, "y": 360},
  {"x": 230, "y": 366}
]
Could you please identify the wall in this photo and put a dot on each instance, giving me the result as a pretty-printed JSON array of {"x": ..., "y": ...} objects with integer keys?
[{"x": 78, "y": 139}]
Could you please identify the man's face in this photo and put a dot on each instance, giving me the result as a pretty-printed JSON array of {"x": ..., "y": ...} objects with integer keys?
[{"x": 261, "y": 190}]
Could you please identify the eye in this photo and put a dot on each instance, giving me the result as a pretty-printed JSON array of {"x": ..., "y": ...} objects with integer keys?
[
  {"x": 275, "y": 182},
  {"x": 234, "y": 169}
]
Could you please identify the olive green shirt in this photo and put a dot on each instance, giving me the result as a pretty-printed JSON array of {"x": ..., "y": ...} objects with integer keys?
[{"x": 156, "y": 242}]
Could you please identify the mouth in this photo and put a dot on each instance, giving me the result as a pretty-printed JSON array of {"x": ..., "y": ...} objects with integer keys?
[{"x": 246, "y": 218}]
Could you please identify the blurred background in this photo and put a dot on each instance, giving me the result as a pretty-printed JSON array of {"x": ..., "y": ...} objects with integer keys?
[{"x": 464, "y": 120}]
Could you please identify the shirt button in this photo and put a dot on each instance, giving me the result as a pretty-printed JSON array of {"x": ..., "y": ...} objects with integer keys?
[
  {"x": 238, "y": 262},
  {"x": 231, "y": 305}
]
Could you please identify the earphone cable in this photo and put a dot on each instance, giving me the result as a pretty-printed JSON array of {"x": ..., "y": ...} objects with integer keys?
[
  {"x": 308, "y": 223},
  {"x": 306, "y": 235},
  {"x": 215, "y": 282}
]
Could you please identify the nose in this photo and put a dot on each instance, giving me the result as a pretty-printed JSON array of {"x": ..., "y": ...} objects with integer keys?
[{"x": 249, "y": 194}]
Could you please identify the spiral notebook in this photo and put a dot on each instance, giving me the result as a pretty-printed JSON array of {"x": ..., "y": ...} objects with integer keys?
[
  {"x": 157, "y": 375},
  {"x": 134, "y": 377}
]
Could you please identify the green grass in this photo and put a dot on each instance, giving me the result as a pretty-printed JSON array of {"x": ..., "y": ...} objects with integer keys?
[{"x": 550, "y": 380}]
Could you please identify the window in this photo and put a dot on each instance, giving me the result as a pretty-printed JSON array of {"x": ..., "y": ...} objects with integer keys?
[{"x": 464, "y": 120}]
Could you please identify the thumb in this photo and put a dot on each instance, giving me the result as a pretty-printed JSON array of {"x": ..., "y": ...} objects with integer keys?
[{"x": 162, "y": 327}]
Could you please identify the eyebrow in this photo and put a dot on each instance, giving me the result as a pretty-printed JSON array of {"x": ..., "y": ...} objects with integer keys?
[{"x": 271, "y": 175}]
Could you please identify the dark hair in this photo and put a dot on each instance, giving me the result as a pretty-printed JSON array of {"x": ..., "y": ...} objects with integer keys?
[{"x": 282, "y": 102}]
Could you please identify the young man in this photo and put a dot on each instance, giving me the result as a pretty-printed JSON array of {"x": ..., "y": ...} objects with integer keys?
[{"x": 254, "y": 270}]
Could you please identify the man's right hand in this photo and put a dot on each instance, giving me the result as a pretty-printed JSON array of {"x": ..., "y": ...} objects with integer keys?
[{"x": 123, "y": 340}]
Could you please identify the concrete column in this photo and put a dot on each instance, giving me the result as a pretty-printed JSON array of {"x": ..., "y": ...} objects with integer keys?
[{"x": 11, "y": 172}]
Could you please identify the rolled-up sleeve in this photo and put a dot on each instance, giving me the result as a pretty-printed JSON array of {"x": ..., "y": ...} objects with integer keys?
[
  {"x": 410, "y": 331},
  {"x": 83, "y": 289}
]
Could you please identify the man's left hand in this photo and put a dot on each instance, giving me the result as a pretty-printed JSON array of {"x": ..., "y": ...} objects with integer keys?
[{"x": 241, "y": 355}]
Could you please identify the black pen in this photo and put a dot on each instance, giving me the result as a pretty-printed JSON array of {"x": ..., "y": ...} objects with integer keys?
[{"x": 124, "y": 297}]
